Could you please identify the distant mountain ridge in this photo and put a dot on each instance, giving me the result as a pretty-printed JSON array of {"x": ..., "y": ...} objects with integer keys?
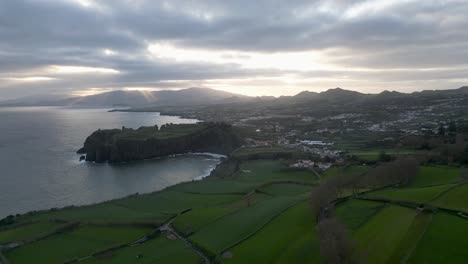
[
  {"x": 205, "y": 97},
  {"x": 190, "y": 96}
]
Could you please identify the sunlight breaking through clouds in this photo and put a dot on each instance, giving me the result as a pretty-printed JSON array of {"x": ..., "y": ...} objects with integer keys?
[
  {"x": 367, "y": 45},
  {"x": 60, "y": 69},
  {"x": 29, "y": 79},
  {"x": 299, "y": 61}
]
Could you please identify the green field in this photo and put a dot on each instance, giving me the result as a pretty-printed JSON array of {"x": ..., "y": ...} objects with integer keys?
[
  {"x": 287, "y": 189},
  {"x": 76, "y": 244},
  {"x": 411, "y": 239},
  {"x": 158, "y": 250},
  {"x": 456, "y": 199},
  {"x": 416, "y": 195},
  {"x": 266, "y": 170},
  {"x": 354, "y": 213},
  {"x": 373, "y": 155},
  {"x": 26, "y": 232},
  {"x": 445, "y": 241},
  {"x": 337, "y": 171},
  {"x": 277, "y": 244},
  {"x": 232, "y": 228},
  {"x": 258, "y": 214},
  {"x": 378, "y": 239},
  {"x": 436, "y": 176}
]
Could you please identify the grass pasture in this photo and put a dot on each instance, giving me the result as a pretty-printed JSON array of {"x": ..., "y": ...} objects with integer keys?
[
  {"x": 355, "y": 213},
  {"x": 158, "y": 250},
  {"x": 412, "y": 238},
  {"x": 373, "y": 155},
  {"x": 155, "y": 207},
  {"x": 445, "y": 241},
  {"x": 215, "y": 186},
  {"x": 232, "y": 228},
  {"x": 287, "y": 189},
  {"x": 289, "y": 238},
  {"x": 379, "y": 237},
  {"x": 342, "y": 171},
  {"x": 78, "y": 243},
  {"x": 456, "y": 199},
  {"x": 261, "y": 171},
  {"x": 416, "y": 195},
  {"x": 26, "y": 232},
  {"x": 430, "y": 175}
]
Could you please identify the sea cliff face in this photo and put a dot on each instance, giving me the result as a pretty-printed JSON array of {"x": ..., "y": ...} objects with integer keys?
[{"x": 119, "y": 145}]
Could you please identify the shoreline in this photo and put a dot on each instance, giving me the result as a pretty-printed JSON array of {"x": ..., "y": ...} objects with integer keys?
[{"x": 206, "y": 173}]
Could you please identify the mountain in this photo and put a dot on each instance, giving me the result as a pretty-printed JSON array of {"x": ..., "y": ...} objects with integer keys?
[{"x": 186, "y": 97}]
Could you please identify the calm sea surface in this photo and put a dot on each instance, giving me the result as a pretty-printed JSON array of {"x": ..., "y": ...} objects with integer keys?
[{"x": 39, "y": 168}]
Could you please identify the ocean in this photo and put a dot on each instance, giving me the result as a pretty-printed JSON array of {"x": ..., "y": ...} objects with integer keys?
[{"x": 39, "y": 168}]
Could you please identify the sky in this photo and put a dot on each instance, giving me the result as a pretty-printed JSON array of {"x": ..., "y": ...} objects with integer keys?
[{"x": 261, "y": 47}]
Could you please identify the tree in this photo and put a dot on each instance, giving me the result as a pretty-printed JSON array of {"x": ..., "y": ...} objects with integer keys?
[
  {"x": 384, "y": 157},
  {"x": 335, "y": 245},
  {"x": 452, "y": 131},
  {"x": 441, "y": 130}
]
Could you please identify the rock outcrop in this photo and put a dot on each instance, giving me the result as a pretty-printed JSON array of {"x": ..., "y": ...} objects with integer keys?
[{"x": 119, "y": 145}]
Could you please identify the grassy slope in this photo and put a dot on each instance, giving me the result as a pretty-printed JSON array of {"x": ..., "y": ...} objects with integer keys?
[
  {"x": 78, "y": 243},
  {"x": 435, "y": 176},
  {"x": 155, "y": 207},
  {"x": 445, "y": 241},
  {"x": 354, "y": 213},
  {"x": 230, "y": 229},
  {"x": 286, "y": 189},
  {"x": 336, "y": 171},
  {"x": 456, "y": 199},
  {"x": 412, "y": 238},
  {"x": 378, "y": 239},
  {"x": 25, "y": 232},
  {"x": 267, "y": 170},
  {"x": 416, "y": 195},
  {"x": 290, "y": 238},
  {"x": 158, "y": 250}
]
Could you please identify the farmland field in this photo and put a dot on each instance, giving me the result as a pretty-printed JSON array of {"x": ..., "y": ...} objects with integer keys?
[
  {"x": 378, "y": 239},
  {"x": 336, "y": 171},
  {"x": 354, "y": 213},
  {"x": 258, "y": 214},
  {"x": 456, "y": 199},
  {"x": 436, "y": 176},
  {"x": 158, "y": 250},
  {"x": 241, "y": 224},
  {"x": 445, "y": 241},
  {"x": 76, "y": 244},
  {"x": 415, "y": 195},
  {"x": 27, "y": 231},
  {"x": 281, "y": 237}
]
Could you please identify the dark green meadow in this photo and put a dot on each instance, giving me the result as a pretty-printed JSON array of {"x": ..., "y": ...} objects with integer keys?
[{"x": 260, "y": 213}]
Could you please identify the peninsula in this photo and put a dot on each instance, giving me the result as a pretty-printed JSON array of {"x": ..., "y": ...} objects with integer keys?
[{"x": 127, "y": 144}]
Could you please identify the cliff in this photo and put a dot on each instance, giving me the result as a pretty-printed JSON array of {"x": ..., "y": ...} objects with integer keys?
[{"x": 118, "y": 145}]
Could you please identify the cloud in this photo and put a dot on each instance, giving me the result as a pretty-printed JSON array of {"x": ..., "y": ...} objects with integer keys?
[{"x": 286, "y": 45}]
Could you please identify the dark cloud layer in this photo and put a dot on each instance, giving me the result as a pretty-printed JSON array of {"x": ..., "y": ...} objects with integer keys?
[{"x": 404, "y": 42}]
